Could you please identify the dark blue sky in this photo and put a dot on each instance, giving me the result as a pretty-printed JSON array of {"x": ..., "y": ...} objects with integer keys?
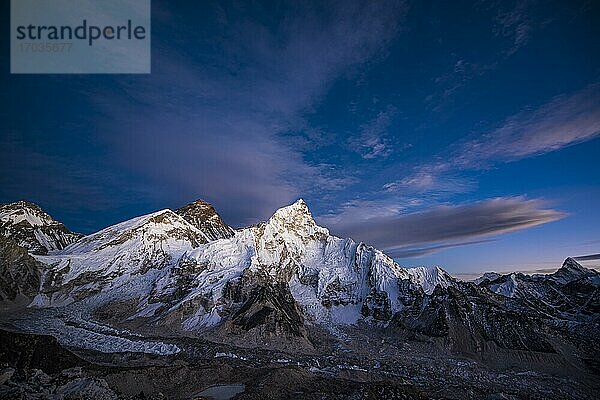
[{"x": 464, "y": 134}]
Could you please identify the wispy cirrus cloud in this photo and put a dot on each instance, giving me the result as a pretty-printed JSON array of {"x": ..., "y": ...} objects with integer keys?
[
  {"x": 419, "y": 233},
  {"x": 589, "y": 257},
  {"x": 462, "y": 71},
  {"x": 229, "y": 82},
  {"x": 227, "y": 110},
  {"x": 372, "y": 142},
  {"x": 413, "y": 252},
  {"x": 515, "y": 23},
  {"x": 565, "y": 120},
  {"x": 428, "y": 181}
]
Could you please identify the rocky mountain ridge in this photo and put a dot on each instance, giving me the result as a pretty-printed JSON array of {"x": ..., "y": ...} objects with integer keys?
[
  {"x": 188, "y": 273},
  {"x": 179, "y": 271},
  {"x": 30, "y": 227},
  {"x": 203, "y": 216}
]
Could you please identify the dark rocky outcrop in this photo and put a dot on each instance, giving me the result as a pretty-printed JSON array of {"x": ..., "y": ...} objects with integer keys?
[
  {"x": 26, "y": 352},
  {"x": 204, "y": 217},
  {"x": 19, "y": 271},
  {"x": 264, "y": 308},
  {"x": 468, "y": 318}
]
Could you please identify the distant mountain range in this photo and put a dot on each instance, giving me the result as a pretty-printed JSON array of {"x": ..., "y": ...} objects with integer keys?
[{"x": 186, "y": 272}]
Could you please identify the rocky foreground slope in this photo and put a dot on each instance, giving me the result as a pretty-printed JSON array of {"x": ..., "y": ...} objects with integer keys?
[{"x": 288, "y": 285}]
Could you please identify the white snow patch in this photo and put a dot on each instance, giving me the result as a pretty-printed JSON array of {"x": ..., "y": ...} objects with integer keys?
[{"x": 507, "y": 288}]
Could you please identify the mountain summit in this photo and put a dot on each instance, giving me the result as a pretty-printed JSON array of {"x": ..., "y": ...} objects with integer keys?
[
  {"x": 29, "y": 226},
  {"x": 204, "y": 217},
  {"x": 571, "y": 270},
  {"x": 296, "y": 220}
]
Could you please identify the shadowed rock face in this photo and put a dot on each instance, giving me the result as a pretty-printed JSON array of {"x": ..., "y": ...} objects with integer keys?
[
  {"x": 29, "y": 226},
  {"x": 469, "y": 317},
  {"x": 571, "y": 293},
  {"x": 513, "y": 313},
  {"x": 268, "y": 308},
  {"x": 19, "y": 272},
  {"x": 204, "y": 217},
  {"x": 25, "y": 351},
  {"x": 571, "y": 271}
]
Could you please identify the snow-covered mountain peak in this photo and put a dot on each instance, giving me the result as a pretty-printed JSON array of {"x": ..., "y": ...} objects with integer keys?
[
  {"x": 32, "y": 228},
  {"x": 286, "y": 238},
  {"x": 120, "y": 254},
  {"x": 507, "y": 288},
  {"x": 151, "y": 228},
  {"x": 203, "y": 216},
  {"x": 573, "y": 265},
  {"x": 296, "y": 218},
  {"x": 298, "y": 209},
  {"x": 571, "y": 270},
  {"x": 428, "y": 277},
  {"x": 201, "y": 204},
  {"x": 487, "y": 276},
  {"x": 25, "y": 212}
]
